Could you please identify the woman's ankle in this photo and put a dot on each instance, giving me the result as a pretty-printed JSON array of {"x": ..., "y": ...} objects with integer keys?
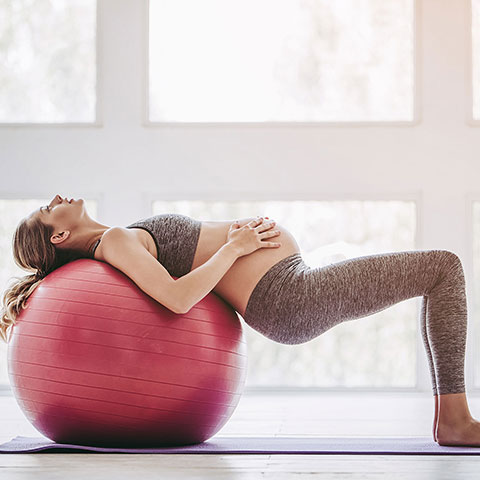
[{"x": 453, "y": 408}]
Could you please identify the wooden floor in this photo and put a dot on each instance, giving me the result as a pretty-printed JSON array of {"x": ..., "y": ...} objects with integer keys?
[{"x": 280, "y": 414}]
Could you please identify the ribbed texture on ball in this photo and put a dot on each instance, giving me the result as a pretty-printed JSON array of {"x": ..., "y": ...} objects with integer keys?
[{"x": 93, "y": 360}]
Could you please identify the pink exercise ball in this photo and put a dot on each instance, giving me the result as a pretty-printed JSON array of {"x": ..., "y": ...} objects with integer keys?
[{"x": 94, "y": 360}]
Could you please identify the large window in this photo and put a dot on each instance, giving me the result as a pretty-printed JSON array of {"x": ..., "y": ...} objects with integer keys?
[
  {"x": 375, "y": 351},
  {"x": 288, "y": 61},
  {"x": 48, "y": 61},
  {"x": 11, "y": 212}
]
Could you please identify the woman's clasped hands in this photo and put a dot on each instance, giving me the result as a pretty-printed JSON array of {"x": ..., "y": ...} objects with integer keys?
[{"x": 252, "y": 236}]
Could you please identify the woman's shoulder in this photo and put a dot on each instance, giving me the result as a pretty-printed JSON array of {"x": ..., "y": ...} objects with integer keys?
[{"x": 114, "y": 236}]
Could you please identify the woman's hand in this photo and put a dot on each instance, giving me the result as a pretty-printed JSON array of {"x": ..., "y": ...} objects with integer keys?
[{"x": 251, "y": 236}]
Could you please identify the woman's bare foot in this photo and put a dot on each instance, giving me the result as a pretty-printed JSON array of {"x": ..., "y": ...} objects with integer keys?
[
  {"x": 466, "y": 434},
  {"x": 455, "y": 425}
]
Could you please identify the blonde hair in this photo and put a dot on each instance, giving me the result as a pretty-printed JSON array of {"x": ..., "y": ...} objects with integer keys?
[{"x": 32, "y": 251}]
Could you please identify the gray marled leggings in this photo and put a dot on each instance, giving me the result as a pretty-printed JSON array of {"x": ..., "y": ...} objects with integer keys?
[{"x": 294, "y": 303}]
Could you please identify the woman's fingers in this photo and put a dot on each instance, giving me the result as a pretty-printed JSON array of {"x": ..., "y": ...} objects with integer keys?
[
  {"x": 270, "y": 233},
  {"x": 266, "y": 226}
]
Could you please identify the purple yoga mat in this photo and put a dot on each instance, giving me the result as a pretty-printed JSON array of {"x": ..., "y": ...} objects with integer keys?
[{"x": 260, "y": 445}]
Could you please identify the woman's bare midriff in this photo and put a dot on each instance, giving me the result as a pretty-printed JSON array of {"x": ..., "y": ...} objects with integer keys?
[{"x": 238, "y": 283}]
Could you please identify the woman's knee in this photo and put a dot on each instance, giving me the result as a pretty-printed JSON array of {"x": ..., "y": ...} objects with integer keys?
[
  {"x": 451, "y": 257},
  {"x": 452, "y": 263}
]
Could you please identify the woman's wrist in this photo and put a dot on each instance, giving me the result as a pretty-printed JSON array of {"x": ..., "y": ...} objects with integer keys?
[{"x": 231, "y": 247}]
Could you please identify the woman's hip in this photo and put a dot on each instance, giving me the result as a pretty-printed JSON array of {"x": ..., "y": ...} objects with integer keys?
[{"x": 274, "y": 300}]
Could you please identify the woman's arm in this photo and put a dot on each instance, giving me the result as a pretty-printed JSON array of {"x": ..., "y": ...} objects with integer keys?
[
  {"x": 194, "y": 286},
  {"x": 133, "y": 259}
]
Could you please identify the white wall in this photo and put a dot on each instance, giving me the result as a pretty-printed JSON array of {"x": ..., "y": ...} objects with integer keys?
[{"x": 125, "y": 161}]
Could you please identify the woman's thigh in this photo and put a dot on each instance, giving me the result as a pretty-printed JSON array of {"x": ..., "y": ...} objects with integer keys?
[{"x": 295, "y": 303}]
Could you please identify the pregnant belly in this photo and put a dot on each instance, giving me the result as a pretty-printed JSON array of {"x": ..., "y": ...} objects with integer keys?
[{"x": 236, "y": 286}]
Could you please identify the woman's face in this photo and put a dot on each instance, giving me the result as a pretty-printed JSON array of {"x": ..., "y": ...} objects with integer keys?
[{"x": 62, "y": 213}]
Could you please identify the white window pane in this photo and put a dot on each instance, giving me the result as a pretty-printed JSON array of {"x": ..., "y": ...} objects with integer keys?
[
  {"x": 47, "y": 71},
  {"x": 11, "y": 212},
  {"x": 475, "y": 58},
  {"x": 374, "y": 351},
  {"x": 295, "y": 60}
]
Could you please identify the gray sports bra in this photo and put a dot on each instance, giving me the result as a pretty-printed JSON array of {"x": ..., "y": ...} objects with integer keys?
[{"x": 176, "y": 238}]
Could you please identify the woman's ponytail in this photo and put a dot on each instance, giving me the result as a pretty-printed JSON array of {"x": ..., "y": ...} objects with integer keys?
[{"x": 14, "y": 300}]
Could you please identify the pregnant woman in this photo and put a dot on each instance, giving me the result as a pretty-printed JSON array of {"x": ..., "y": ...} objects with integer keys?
[{"x": 256, "y": 266}]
